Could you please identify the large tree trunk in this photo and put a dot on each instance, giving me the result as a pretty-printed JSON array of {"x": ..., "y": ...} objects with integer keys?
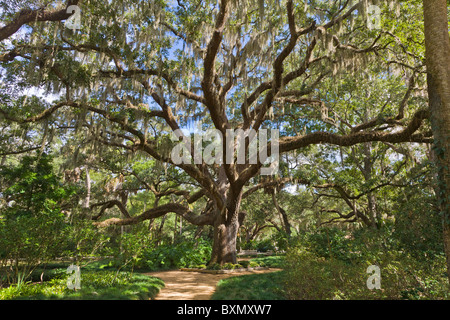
[
  {"x": 437, "y": 45},
  {"x": 226, "y": 227},
  {"x": 225, "y": 238}
]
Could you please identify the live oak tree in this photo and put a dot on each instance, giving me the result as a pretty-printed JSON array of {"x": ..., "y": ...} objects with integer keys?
[{"x": 137, "y": 72}]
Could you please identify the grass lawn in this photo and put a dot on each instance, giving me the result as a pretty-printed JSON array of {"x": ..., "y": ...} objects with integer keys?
[
  {"x": 95, "y": 285},
  {"x": 269, "y": 261},
  {"x": 264, "y": 286}
]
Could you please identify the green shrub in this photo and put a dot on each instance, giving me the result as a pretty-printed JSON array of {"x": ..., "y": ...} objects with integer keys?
[
  {"x": 244, "y": 263},
  {"x": 214, "y": 266},
  {"x": 265, "y": 245},
  {"x": 309, "y": 276},
  {"x": 182, "y": 255},
  {"x": 248, "y": 245},
  {"x": 331, "y": 243},
  {"x": 130, "y": 251},
  {"x": 418, "y": 224},
  {"x": 32, "y": 225},
  {"x": 228, "y": 266},
  {"x": 254, "y": 264},
  {"x": 281, "y": 240}
]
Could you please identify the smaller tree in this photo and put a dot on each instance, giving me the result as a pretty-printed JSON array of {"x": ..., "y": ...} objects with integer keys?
[{"x": 32, "y": 223}]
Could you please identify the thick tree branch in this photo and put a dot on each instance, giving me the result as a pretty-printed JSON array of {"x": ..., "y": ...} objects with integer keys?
[
  {"x": 158, "y": 212},
  {"x": 286, "y": 144},
  {"x": 27, "y": 16},
  {"x": 292, "y": 143},
  {"x": 107, "y": 205},
  {"x": 211, "y": 94}
]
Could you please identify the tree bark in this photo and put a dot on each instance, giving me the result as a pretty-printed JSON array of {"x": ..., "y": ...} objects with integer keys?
[
  {"x": 373, "y": 211},
  {"x": 437, "y": 47},
  {"x": 87, "y": 199},
  {"x": 226, "y": 226},
  {"x": 282, "y": 212},
  {"x": 30, "y": 16},
  {"x": 367, "y": 171},
  {"x": 224, "y": 245}
]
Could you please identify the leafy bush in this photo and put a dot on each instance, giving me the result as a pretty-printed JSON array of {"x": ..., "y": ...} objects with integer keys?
[
  {"x": 332, "y": 263},
  {"x": 83, "y": 239},
  {"x": 265, "y": 245},
  {"x": 215, "y": 266},
  {"x": 309, "y": 276},
  {"x": 182, "y": 255},
  {"x": 32, "y": 217},
  {"x": 331, "y": 243},
  {"x": 418, "y": 225},
  {"x": 248, "y": 245},
  {"x": 230, "y": 266},
  {"x": 361, "y": 244},
  {"x": 281, "y": 240},
  {"x": 130, "y": 249}
]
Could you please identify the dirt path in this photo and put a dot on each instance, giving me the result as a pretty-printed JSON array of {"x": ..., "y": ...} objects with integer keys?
[{"x": 184, "y": 285}]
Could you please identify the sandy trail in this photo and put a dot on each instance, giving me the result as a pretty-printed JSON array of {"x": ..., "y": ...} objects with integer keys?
[{"x": 184, "y": 285}]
